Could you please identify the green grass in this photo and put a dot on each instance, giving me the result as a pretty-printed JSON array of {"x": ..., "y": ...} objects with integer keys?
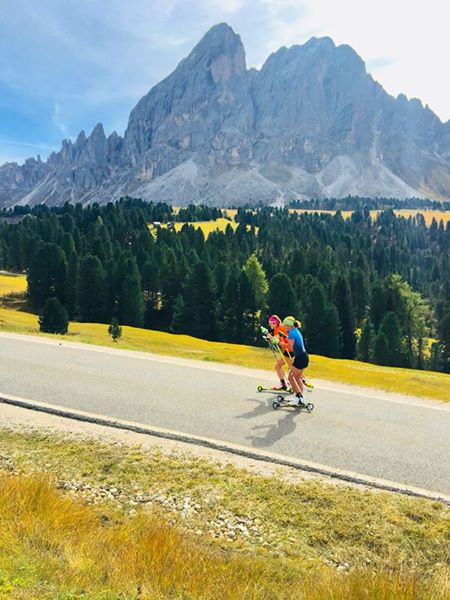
[
  {"x": 426, "y": 384},
  {"x": 308, "y": 540}
]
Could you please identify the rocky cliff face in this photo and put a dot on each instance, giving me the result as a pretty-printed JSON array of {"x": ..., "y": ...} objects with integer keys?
[{"x": 310, "y": 123}]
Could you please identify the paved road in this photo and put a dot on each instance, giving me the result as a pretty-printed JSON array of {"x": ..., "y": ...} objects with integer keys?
[{"x": 405, "y": 442}]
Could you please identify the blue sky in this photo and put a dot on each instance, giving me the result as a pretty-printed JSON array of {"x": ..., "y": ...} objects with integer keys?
[{"x": 67, "y": 64}]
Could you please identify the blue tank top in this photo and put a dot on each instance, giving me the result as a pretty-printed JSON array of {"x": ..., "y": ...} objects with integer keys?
[{"x": 299, "y": 345}]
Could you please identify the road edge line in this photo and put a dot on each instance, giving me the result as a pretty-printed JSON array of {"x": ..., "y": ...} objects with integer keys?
[{"x": 227, "y": 447}]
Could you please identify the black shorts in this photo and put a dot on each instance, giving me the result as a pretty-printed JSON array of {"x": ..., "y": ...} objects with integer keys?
[{"x": 301, "y": 361}]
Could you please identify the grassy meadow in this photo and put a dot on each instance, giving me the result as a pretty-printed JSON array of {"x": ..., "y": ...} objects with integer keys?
[
  {"x": 12, "y": 284},
  {"x": 108, "y": 521},
  {"x": 427, "y": 384}
]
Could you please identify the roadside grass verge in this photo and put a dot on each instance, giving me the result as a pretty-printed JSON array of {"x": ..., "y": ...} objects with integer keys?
[{"x": 175, "y": 526}]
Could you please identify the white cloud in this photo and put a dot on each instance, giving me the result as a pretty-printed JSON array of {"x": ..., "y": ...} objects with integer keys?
[
  {"x": 405, "y": 44},
  {"x": 57, "y": 120}
]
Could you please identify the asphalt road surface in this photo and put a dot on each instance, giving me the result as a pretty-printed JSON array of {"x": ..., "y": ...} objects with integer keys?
[{"x": 401, "y": 440}]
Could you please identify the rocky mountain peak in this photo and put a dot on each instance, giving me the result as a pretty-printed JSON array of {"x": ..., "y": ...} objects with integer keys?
[
  {"x": 98, "y": 133},
  {"x": 220, "y": 52},
  {"x": 310, "y": 123}
]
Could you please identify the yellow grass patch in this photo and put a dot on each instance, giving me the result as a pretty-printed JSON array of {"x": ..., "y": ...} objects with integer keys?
[
  {"x": 427, "y": 214},
  {"x": 12, "y": 284},
  {"x": 206, "y": 226},
  {"x": 209, "y": 226}
]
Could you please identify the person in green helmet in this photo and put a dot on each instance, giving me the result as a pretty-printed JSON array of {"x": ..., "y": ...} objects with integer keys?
[{"x": 301, "y": 359}]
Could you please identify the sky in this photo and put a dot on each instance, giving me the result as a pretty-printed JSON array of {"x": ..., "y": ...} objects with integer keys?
[{"x": 66, "y": 65}]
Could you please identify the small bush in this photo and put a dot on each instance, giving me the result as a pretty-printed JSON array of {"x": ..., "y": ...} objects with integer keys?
[
  {"x": 115, "y": 330},
  {"x": 53, "y": 317}
]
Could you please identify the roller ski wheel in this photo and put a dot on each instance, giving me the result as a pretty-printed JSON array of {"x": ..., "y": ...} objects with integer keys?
[
  {"x": 308, "y": 406},
  {"x": 260, "y": 388},
  {"x": 275, "y": 405}
]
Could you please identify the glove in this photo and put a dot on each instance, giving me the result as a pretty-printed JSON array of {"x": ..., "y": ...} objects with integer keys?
[
  {"x": 264, "y": 330},
  {"x": 275, "y": 341}
]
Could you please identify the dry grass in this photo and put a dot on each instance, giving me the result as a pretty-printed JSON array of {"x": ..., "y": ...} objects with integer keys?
[
  {"x": 52, "y": 546},
  {"x": 12, "y": 284}
]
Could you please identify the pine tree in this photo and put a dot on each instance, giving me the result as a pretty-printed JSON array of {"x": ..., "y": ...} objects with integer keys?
[
  {"x": 332, "y": 329},
  {"x": 70, "y": 291},
  {"x": 380, "y": 349},
  {"x": 412, "y": 312},
  {"x": 346, "y": 313},
  {"x": 53, "y": 317},
  {"x": 365, "y": 342},
  {"x": 115, "y": 330},
  {"x": 444, "y": 337},
  {"x": 47, "y": 275},
  {"x": 150, "y": 289},
  {"x": 194, "y": 311},
  {"x": 322, "y": 326},
  {"x": 377, "y": 305},
  {"x": 258, "y": 281},
  {"x": 130, "y": 300},
  {"x": 231, "y": 319},
  {"x": 92, "y": 290},
  {"x": 359, "y": 293},
  {"x": 282, "y": 300},
  {"x": 390, "y": 327},
  {"x": 250, "y": 330}
]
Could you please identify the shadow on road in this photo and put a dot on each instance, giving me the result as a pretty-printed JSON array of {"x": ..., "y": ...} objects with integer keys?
[
  {"x": 274, "y": 432},
  {"x": 267, "y": 435},
  {"x": 262, "y": 407}
]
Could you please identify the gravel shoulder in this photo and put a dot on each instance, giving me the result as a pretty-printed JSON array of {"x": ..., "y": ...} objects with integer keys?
[{"x": 24, "y": 420}]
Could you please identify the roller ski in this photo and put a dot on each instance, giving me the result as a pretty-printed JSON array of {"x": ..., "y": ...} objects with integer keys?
[
  {"x": 275, "y": 390},
  {"x": 295, "y": 402}
]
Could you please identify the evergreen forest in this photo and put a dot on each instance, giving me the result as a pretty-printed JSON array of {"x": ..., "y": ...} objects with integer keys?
[{"x": 373, "y": 289}]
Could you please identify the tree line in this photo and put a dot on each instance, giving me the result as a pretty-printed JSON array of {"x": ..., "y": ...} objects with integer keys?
[{"x": 377, "y": 290}]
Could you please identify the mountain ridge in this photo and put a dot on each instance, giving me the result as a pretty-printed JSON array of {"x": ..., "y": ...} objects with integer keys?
[{"x": 311, "y": 122}]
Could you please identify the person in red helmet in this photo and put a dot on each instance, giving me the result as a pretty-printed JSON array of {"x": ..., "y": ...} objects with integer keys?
[{"x": 279, "y": 334}]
